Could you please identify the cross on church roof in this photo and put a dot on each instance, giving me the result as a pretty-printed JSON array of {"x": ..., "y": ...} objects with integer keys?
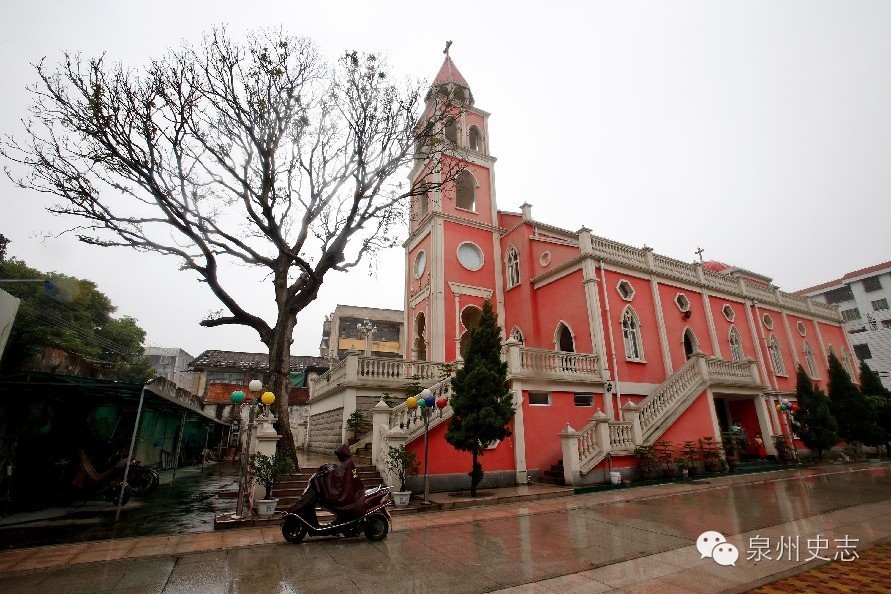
[
  {"x": 699, "y": 252},
  {"x": 448, "y": 45}
]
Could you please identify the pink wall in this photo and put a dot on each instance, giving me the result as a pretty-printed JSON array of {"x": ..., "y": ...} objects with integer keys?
[
  {"x": 740, "y": 322},
  {"x": 693, "y": 424},
  {"x": 563, "y": 300},
  {"x": 444, "y": 459},
  {"x": 483, "y": 212},
  {"x": 675, "y": 324},
  {"x": 543, "y": 423},
  {"x": 653, "y": 371}
]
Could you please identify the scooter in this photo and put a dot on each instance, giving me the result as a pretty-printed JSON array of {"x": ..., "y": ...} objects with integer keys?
[{"x": 301, "y": 520}]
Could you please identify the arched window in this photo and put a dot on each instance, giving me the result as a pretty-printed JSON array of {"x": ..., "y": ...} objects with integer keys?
[
  {"x": 451, "y": 130},
  {"x": 512, "y": 259},
  {"x": 470, "y": 318},
  {"x": 736, "y": 346},
  {"x": 776, "y": 356},
  {"x": 517, "y": 335},
  {"x": 631, "y": 334},
  {"x": 475, "y": 139},
  {"x": 563, "y": 339},
  {"x": 811, "y": 362},
  {"x": 420, "y": 338},
  {"x": 465, "y": 188},
  {"x": 424, "y": 204},
  {"x": 691, "y": 343}
]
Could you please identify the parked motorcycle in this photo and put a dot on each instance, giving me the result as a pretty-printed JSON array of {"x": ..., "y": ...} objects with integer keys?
[
  {"x": 107, "y": 485},
  {"x": 339, "y": 490},
  {"x": 142, "y": 480}
]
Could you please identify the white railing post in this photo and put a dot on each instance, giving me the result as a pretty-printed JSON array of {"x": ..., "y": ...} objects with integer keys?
[
  {"x": 601, "y": 431},
  {"x": 701, "y": 364},
  {"x": 395, "y": 438},
  {"x": 352, "y": 366},
  {"x": 569, "y": 440},
  {"x": 631, "y": 412},
  {"x": 380, "y": 418},
  {"x": 753, "y": 370},
  {"x": 513, "y": 356}
]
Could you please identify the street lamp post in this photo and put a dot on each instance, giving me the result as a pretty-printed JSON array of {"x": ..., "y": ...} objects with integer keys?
[
  {"x": 367, "y": 330},
  {"x": 425, "y": 401},
  {"x": 238, "y": 398}
]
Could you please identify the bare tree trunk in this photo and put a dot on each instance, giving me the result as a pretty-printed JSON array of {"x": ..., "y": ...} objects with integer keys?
[{"x": 280, "y": 381}]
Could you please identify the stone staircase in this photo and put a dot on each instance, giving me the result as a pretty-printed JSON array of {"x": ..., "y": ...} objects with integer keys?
[
  {"x": 587, "y": 447},
  {"x": 553, "y": 475},
  {"x": 289, "y": 490}
]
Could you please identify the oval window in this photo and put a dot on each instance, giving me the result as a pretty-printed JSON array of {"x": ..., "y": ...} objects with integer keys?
[
  {"x": 420, "y": 263},
  {"x": 470, "y": 256}
]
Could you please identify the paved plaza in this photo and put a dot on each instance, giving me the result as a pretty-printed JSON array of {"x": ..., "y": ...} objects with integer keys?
[{"x": 628, "y": 540}]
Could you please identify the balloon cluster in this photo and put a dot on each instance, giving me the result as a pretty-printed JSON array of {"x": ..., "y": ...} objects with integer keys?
[
  {"x": 413, "y": 402},
  {"x": 786, "y": 406}
]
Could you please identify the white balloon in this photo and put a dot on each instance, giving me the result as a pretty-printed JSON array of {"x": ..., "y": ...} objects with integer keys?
[
  {"x": 725, "y": 554},
  {"x": 707, "y": 541}
]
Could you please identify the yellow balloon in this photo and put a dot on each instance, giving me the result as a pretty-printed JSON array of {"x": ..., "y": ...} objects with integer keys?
[
  {"x": 267, "y": 398},
  {"x": 411, "y": 402}
]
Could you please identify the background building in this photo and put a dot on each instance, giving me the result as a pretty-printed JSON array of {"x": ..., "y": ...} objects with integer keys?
[
  {"x": 173, "y": 364},
  {"x": 863, "y": 296},
  {"x": 343, "y": 324}
]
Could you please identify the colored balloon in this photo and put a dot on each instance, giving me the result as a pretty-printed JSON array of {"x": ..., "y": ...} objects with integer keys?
[
  {"x": 441, "y": 403},
  {"x": 411, "y": 402},
  {"x": 237, "y": 397},
  {"x": 430, "y": 401},
  {"x": 267, "y": 398},
  {"x": 422, "y": 403}
]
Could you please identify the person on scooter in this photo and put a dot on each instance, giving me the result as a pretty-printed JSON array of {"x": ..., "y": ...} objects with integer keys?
[{"x": 342, "y": 488}]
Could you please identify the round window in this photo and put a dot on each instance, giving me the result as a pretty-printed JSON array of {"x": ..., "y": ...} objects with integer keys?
[
  {"x": 545, "y": 259},
  {"x": 420, "y": 263},
  {"x": 470, "y": 256}
]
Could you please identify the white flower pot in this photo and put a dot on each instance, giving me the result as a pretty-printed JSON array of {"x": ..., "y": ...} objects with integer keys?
[
  {"x": 401, "y": 498},
  {"x": 266, "y": 507}
]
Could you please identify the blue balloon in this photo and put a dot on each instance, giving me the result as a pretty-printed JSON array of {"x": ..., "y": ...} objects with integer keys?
[{"x": 430, "y": 401}]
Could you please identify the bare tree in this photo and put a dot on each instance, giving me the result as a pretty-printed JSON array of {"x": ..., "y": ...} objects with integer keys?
[{"x": 256, "y": 153}]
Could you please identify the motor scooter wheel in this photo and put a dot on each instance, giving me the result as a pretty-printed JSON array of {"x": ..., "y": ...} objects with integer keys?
[
  {"x": 376, "y": 527},
  {"x": 293, "y": 530}
]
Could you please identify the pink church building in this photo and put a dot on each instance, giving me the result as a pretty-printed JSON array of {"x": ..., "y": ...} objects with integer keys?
[{"x": 608, "y": 346}]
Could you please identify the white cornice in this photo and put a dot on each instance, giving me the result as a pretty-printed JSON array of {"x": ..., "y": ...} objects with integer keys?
[
  {"x": 423, "y": 294},
  {"x": 460, "y": 289}
]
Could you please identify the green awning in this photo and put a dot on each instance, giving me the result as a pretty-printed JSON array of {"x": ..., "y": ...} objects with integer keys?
[{"x": 298, "y": 379}]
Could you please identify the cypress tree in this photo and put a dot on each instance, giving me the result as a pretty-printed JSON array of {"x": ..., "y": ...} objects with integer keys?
[
  {"x": 818, "y": 429},
  {"x": 481, "y": 399},
  {"x": 880, "y": 398},
  {"x": 854, "y": 412}
]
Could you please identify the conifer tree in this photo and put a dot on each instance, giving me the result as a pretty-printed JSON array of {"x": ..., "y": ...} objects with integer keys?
[
  {"x": 855, "y": 414},
  {"x": 880, "y": 397},
  {"x": 481, "y": 399},
  {"x": 818, "y": 428}
]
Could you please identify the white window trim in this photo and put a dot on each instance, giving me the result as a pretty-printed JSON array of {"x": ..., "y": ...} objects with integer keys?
[
  {"x": 802, "y": 329},
  {"x": 637, "y": 332},
  {"x": 808, "y": 352},
  {"x": 677, "y": 298},
  {"x": 414, "y": 267},
  {"x": 461, "y": 314},
  {"x": 557, "y": 337},
  {"x": 742, "y": 353},
  {"x": 482, "y": 256},
  {"x": 630, "y": 297},
  {"x": 476, "y": 186},
  {"x": 512, "y": 251},
  {"x": 776, "y": 355},
  {"x": 545, "y": 259},
  {"x": 730, "y": 318},
  {"x": 539, "y": 392},
  {"x": 764, "y": 320}
]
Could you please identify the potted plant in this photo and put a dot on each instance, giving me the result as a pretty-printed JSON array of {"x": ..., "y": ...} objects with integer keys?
[
  {"x": 730, "y": 440},
  {"x": 781, "y": 443},
  {"x": 404, "y": 464},
  {"x": 357, "y": 424},
  {"x": 268, "y": 471},
  {"x": 684, "y": 464},
  {"x": 711, "y": 457},
  {"x": 646, "y": 462},
  {"x": 666, "y": 458},
  {"x": 690, "y": 452}
]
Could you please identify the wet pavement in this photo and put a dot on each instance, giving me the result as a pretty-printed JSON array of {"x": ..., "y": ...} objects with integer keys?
[
  {"x": 184, "y": 504},
  {"x": 635, "y": 540}
]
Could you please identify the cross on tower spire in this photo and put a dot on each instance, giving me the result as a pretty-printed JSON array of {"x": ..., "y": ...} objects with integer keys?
[
  {"x": 698, "y": 252},
  {"x": 448, "y": 45}
]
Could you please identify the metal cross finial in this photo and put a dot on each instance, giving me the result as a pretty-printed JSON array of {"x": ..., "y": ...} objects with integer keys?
[
  {"x": 448, "y": 45},
  {"x": 698, "y": 252}
]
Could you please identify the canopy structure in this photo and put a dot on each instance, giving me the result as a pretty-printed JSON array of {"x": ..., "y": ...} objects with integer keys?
[{"x": 46, "y": 417}]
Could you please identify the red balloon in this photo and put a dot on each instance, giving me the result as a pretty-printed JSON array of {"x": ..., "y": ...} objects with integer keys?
[{"x": 441, "y": 403}]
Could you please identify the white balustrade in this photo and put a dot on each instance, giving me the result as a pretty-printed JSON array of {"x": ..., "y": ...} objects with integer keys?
[
  {"x": 620, "y": 436},
  {"x": 545, "y": 362},
  {"x": 674, "y": 268},
  {"x": 618, "y": 251},
  {"x": 673, "y": 390}
]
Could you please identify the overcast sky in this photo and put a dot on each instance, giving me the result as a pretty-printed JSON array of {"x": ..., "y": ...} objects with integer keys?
[{"x": 759, "y": 131}]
